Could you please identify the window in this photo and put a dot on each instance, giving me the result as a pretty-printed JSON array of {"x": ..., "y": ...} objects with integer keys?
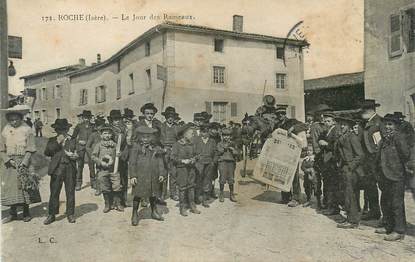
[
  {"x": 234, "y": 111},
  {"x": 83, "y": 97},
  {"x": 118, "y": 88},
  {"x": 218, "y": 45},
  {"x": 37, "y": 114},
  {"x": 44, "y": 116},
  {"x": 219, "y": 112},
  {"x": 147, "y": 46},
  {"x": 395, "y": 40},
  {"x": 280, "y": 52},
  {"x": 218, "y": 75},
  {"x": 44, "y": 94},
  {"x": 57, "y": 92},
  {"x": 131, "y": 84},
  {"x": 58, "y": 113},
  {"x": 281, "y": 81},
  {"x": 39, "y": 94},
  {"x": 100, "y": 94},
  {"x": 410, "y": 22},
  {"x": 148, "y": 73}
]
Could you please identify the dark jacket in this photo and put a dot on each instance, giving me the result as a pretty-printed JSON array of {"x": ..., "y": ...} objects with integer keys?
[
  {"x": 81, "y": 133},
  {"x": 350, "y": 152},
  {"x": 56, "y": 152},
  {"x": 393, "y": 154},
  {"x": 168, "y": 134},
  {"x": 205, "y": 152}
]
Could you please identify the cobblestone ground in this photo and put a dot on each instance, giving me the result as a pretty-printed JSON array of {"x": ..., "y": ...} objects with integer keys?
[{"x": 256, "y": 228}]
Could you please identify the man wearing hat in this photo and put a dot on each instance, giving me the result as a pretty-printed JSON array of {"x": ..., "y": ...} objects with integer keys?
[
  {"x": 350, "y": 152},
  {"x": 371, "y": 131},
  {"x": 120, "y": 135},
  {"x": 62, "y": 169},
  {"x": 268, "y": 106},
  {"x": 206, "y": 117},
  {"x": 129, "y": 122},
  {"x": 198, "y": 120},
  {"x": 168, "y": 136},
  {"x": 81, "y": 134},
  {"x": 405, "y": 128}
]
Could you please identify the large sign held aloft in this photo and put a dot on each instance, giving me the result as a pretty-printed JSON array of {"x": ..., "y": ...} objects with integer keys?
[{"x": 278, "y": 161}]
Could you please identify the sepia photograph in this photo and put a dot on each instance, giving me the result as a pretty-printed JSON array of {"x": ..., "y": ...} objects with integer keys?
[{"x": 207, "y": 131}]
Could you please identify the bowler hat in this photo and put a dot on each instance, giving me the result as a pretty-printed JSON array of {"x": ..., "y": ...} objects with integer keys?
[
  {"x": 61, "y": 123},
  {"x": 182, "y": 129},
  {"x": 206, "y": 116},
  {"x": 198, "y": 117},
  {"x": 391, "y": 117},
  {"x": 115, "y": 114},
  {"x": 169, "y": 111},
  {"x": 142, "y": 129},
  {"x": 128, "y": 113},
  {"x": 85, "y": 113},
  {"x": 399, "y": 115},
  {"x": 369, "y": 104},
  {"x": 269, "y": 101},
  {"x": 148, "y": 106}
]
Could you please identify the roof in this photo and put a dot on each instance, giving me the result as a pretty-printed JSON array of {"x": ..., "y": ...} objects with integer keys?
[
  {"x": 55, "y": 70},
  {"x": 188, "y": 28},
  {"x": 334, "y": 81}
]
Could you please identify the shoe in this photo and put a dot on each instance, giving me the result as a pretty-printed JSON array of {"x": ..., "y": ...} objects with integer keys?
[
  {"x": 71, "y": 219},
  {"x": 174, "y": 197},
  {"x": 27, "y": 218},
  {"x": 213, "y": 194},
  {"x": 193, "y": 209},
  {"x": 232, "y": 198},
  {"x": 156, "y": 216},
  {"x": 78, "y": 187},
  {"x": 134, "y": 219},
  {"x": 370, "y": 216},
  {"x": 382, "y": 231},
  {"x": 183, "y": 212},
  {"x": 221, "y": 197},
  {"x": 119, "y": 208},
  {"x": 307, "y": 204},
  {"x": 347, "y": 225},
  {"x": 394, "y": 237},
  {"x": 293, "y": 203},
  {"x": 50, "y": 219},
  {"x": 9, "y": 219}
]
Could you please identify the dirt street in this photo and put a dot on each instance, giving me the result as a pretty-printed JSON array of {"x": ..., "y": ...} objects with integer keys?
[{"x": 256, "y": 228}]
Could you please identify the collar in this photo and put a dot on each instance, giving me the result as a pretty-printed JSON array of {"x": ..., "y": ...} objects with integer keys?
[
  {"x": 148, "y": 123},
  {"x": 205, "y": 140}
]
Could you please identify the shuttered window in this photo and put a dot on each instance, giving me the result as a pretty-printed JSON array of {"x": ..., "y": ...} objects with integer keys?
[
  {"x": 118, "y": 88},
  {"x": 100, "y": 94},
  {"x": 83, "y": 97},
  {"x": 219, "y": 112},
  {"x": 410, "y": 22},
  {"x": 234, "y": 111},
  {"x": 218, "y": 75},
  {"x": 395, "y": 40}
]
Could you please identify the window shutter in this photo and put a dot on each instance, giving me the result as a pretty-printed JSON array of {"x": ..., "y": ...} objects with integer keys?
[
  {"x": 80, "y": 96},
  {"x": 395, "y": 38},
  {"x": 86, "y": 97},
  {"x": 208, "y": 106},
  {"x": 104, "y": 90},
  {"x": 292, "y": 111},
  {"x": 53, "y": 93},
  {"x": 96, "y": 94},
  {"x": 234, "y": 111},
  {"x": 409, "y": 29}
]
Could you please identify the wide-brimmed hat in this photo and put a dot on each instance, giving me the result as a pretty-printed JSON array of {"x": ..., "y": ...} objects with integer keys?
[
  {"x": 182, "y": 129},
  {"x": 269, "y": 101},
  {"x": 61, "y": 123},
  {"x": 85, "y": 113},
  {"x": 169, "y": 111},
  {"x": 148, "y": 106},
  {"x": 198, "y": 117},
  {"x": 128, "y": 113},
  {"x": 391, "y": 117},
  {"x": 17, "y": 109},
  {"x": 321, "y": 108},
  {"x": 399, "y": 115},
  {"x": 142, "y": 129},
  {"x": 369, "y": 104},
  {"x": 105, "y": 127},
  {"x": 206, "y": 116},
  {"x": 115, "y": 114}
]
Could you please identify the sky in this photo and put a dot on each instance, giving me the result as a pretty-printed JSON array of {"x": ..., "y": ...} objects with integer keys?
[{"x": 334, "y": 29}]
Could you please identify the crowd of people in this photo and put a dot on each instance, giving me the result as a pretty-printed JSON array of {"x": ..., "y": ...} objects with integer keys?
[{"x": 342, "y": 154}]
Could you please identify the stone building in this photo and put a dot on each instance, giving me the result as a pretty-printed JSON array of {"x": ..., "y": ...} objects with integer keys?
[
  {"x": 389, "y": 55},
  {"x": 194, "y": 68}
]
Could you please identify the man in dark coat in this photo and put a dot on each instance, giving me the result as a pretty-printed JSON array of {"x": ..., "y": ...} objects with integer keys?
[
  {"x": 62, "y": 169},
  {"x": 392, "y": 156},
  {"x": 146, "y": 172},
  {"x": 81, "y": 134},
  {"x": 372, "y": 126}
]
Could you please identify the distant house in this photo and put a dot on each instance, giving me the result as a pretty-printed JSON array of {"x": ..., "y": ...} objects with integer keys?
[
  {"x": 52, "y": 93},
  {"x": 341, "y": 92},
  {"x": 206, "y": 69},
  {"x": 389, "y": 55}
]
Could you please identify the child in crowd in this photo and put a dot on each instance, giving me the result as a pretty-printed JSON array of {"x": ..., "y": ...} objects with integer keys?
[{"x": 310, "y": 179}]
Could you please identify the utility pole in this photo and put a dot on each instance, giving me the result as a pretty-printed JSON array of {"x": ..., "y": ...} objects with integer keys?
[{"x": 4, "y": 57}]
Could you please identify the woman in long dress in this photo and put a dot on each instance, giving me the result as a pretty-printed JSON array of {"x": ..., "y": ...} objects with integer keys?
[{"x": 19, "y": 182}]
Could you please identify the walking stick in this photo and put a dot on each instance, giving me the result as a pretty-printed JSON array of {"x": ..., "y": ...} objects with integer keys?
[
  {"x": 117, "y": 152},
  {"x": 245, "y": 160}
]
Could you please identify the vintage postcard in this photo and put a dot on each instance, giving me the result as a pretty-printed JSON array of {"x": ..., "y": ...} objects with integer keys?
[{"x": 209, "y": 131}]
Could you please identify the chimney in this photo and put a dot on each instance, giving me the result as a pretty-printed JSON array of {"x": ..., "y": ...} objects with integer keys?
[
  {"x": 238, "y": 23},
  {"x": 81, "y": 62},
  {"x": 98, "y": 58}
]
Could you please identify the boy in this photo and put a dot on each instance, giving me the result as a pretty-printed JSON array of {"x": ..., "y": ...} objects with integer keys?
[
  {"x": 146, "y": 169},
  {"x": 104, "y": 155},
  {"x": 226, "y": 154},
  {"x": 205, "y": 149},
  {"x": 183, "y": 158},
  {"x": 310, "y": 179},
  {"x": 62, "y": 169}
]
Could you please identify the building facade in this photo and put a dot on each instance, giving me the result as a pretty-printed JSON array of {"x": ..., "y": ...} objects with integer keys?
[
  {"x": 389, "y": 55},
  {"x": 195, "y": 68},
  {"x": 52, "y": 94}
]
